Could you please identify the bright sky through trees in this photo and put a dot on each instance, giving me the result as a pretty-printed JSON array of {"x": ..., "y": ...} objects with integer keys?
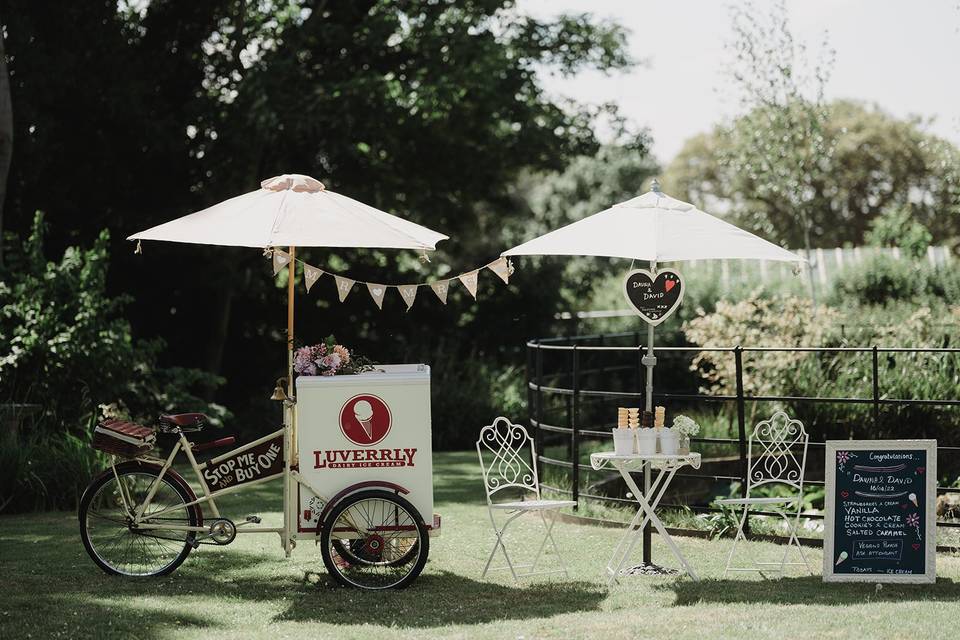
[{"x": 900, "y": 55}]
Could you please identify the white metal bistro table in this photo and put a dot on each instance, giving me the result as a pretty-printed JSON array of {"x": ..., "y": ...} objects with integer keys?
[{"x": 666, "y": 466}]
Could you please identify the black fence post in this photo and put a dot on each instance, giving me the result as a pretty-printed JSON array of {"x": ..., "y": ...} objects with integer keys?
[
  {"x": 530, "y": 396},
  {"x": 741, "y": 429},
  {"x": 876, "y": 389},
  {"x": 575, "y": 429},
  {"x": 538, "y": 433},
  {"x": 602, "y": 401}
]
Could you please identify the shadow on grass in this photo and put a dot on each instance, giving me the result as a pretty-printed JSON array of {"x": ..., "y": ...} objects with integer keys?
[
  {"x": 441, "y": 599},
  {"x": 83, "y": 602},
  {"x": 805, "y": 590}
]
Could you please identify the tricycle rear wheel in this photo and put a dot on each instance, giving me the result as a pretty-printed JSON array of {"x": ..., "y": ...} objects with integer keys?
[
  {"x": 120, "y": 547},
  {"x": 374, "y": 540}
]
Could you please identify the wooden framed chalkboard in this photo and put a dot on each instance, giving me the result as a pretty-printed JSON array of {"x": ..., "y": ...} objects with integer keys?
[{"x": 880, "y": 521}]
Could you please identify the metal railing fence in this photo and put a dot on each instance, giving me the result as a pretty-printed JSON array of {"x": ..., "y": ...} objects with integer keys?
[{"x": 566, "y": 383}]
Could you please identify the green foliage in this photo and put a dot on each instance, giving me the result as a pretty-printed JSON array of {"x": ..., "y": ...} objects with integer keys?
[
  {"x": 65, "y": 347},
  {"x": 47, "y": 472},
  {"x": 469, "y": 393},
  {"x": 882, "y": 280},
  {"x": 841, "y": 374},
  {"x": 779, "y": 147},
  {"x": 427, "y": 109},
  {"x": 880, "y": 166},
  {"x": 755, "y": 322},
  {"x": 896, "y": 227}
]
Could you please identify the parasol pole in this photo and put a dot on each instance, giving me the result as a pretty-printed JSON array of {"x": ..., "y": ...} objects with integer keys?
[
  {"x": 649, "y": 361},
  {"x": 291, "y": 458},
  {"x": 290, "y": 275},
  {"x": 290, "y": 417}
]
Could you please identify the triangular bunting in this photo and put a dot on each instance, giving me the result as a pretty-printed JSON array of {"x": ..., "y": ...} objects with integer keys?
[
  {"x": 343, "y": 286},
  {"x": 310, "y": 275},
  {"x": 409, "y": 293},
  {"x": 280, "y": 260},
  {"x": 377, "y": 291},
  {"x": 502, "y": 268},
  {"x": 469, "y": 280},
  {"x": 441, "y": 288}
]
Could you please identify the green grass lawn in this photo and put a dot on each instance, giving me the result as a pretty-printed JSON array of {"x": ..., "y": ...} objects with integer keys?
[{"x": 52, "y": 590}]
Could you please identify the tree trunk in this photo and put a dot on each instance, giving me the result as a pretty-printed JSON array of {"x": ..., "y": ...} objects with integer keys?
[{"x": 6, "y": 135}]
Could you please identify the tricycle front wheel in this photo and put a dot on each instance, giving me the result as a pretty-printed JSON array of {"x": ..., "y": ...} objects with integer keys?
[{"x": 374, "y": 540}]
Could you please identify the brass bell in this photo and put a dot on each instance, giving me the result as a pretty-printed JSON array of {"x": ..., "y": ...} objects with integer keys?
[{"x": 278, "y": 391}]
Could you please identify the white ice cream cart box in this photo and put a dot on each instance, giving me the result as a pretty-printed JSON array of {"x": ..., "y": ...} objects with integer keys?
[{"x": 367, "y": 430}]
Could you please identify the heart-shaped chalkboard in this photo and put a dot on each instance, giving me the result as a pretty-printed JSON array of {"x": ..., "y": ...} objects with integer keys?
[{"x": 653, "y": 296}]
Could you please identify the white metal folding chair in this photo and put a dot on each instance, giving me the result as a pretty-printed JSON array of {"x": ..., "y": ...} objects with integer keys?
[
  {"x": 502, "y": 449},
  {"x": 772, "y": 460}
]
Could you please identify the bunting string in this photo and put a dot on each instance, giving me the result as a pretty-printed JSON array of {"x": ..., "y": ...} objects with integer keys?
[{"x": 502, "y": 267}]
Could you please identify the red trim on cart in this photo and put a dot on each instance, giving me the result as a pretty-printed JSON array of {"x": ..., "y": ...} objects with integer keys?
[{"x": 345, "y": 492}]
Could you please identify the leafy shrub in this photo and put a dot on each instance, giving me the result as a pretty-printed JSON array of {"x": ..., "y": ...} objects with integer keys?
[
  {"x": 65, "y": 346},
  {"x": 754, "y": 322},
  {"x": 842, "y": 374},
  {"x": 474, "y": 393},
  {"x": 897, "y": 227},
  {"x": 882, "y": 279}
]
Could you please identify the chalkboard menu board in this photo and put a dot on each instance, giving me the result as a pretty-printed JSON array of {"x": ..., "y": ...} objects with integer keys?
[{"x": 880, "y": 521}]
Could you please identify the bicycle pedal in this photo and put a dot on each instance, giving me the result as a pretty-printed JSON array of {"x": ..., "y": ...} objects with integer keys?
[{"x": 253, "y": 519}]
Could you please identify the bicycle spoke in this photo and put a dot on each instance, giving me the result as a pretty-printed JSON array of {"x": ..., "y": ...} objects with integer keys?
[
  {"x": 383, "y": 552},
  {"x": 127, "y": 548}
]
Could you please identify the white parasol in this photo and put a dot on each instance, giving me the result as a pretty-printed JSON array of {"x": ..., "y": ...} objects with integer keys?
[
  {"x": 291, "y": 211},
  {"x": 656, "y": 228}
]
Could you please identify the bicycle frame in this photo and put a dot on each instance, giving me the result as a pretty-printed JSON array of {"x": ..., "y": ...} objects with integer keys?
[{"x": 291, "y": 478}]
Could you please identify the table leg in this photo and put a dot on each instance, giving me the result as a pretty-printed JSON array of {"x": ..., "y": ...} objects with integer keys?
[
  {"x": 634, "y": 533},
  {"x": 650, "y": 509}
]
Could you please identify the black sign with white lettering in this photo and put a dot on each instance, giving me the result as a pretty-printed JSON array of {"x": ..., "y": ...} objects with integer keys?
[
  {"x": 881, "y": 502},
  {"x": 653, "y": 296},
  {"x": 250, "y": 463}
]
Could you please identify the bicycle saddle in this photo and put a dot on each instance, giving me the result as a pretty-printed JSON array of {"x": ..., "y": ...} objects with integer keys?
[{"x": 189, "y": 420}]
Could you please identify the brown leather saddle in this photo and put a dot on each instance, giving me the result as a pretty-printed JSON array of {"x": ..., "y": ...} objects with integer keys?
[{"x": 192, "y": 421}]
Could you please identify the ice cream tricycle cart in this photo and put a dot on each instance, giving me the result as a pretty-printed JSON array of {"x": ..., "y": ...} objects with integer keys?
[
  {"x": 354, "y": 453},
  {"x": 358, "y": 482}
]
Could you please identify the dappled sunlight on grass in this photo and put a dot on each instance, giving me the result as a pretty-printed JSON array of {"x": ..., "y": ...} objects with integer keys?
[{"x": 249, "y": 590}]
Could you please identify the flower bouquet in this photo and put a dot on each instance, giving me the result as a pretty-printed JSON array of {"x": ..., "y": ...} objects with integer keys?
[
  {"x": 328, "y": 359},
  {"x": 686, "y": 428}
]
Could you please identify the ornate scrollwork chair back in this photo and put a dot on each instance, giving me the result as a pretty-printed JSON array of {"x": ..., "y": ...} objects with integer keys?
[
  {"x": 506, "y": 451},
  {"x": 508, "y": 462},
  {"x": 773, "y": 459},
  {"x": 778, "y": 452}
]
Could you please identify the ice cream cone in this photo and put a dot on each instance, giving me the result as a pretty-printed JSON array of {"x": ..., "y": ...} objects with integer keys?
[
  {"x": 840, "y": 558},
  {"x": 913, "y": 499},
  {"x": 363, "y": 412}
]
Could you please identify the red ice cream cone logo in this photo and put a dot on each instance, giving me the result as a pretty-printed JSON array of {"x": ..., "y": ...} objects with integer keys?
[{"x": 365, "y": 420}]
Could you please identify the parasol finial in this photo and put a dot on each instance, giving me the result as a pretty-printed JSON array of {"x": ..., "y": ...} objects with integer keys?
[{"x": 655, "y": 186}]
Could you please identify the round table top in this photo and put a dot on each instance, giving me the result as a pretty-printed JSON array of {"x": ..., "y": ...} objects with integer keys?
[{"x": 602, "y": 458}]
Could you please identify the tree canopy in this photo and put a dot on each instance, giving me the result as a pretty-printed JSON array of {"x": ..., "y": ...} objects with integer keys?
[
  {"x": 128, "y": 114},
  {"x": 878, "y": 163}
]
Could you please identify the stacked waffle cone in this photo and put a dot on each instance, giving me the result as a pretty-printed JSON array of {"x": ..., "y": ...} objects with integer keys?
[
  {"x": 659, "y": 415},
  {"x": 628, "y": 417}
]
